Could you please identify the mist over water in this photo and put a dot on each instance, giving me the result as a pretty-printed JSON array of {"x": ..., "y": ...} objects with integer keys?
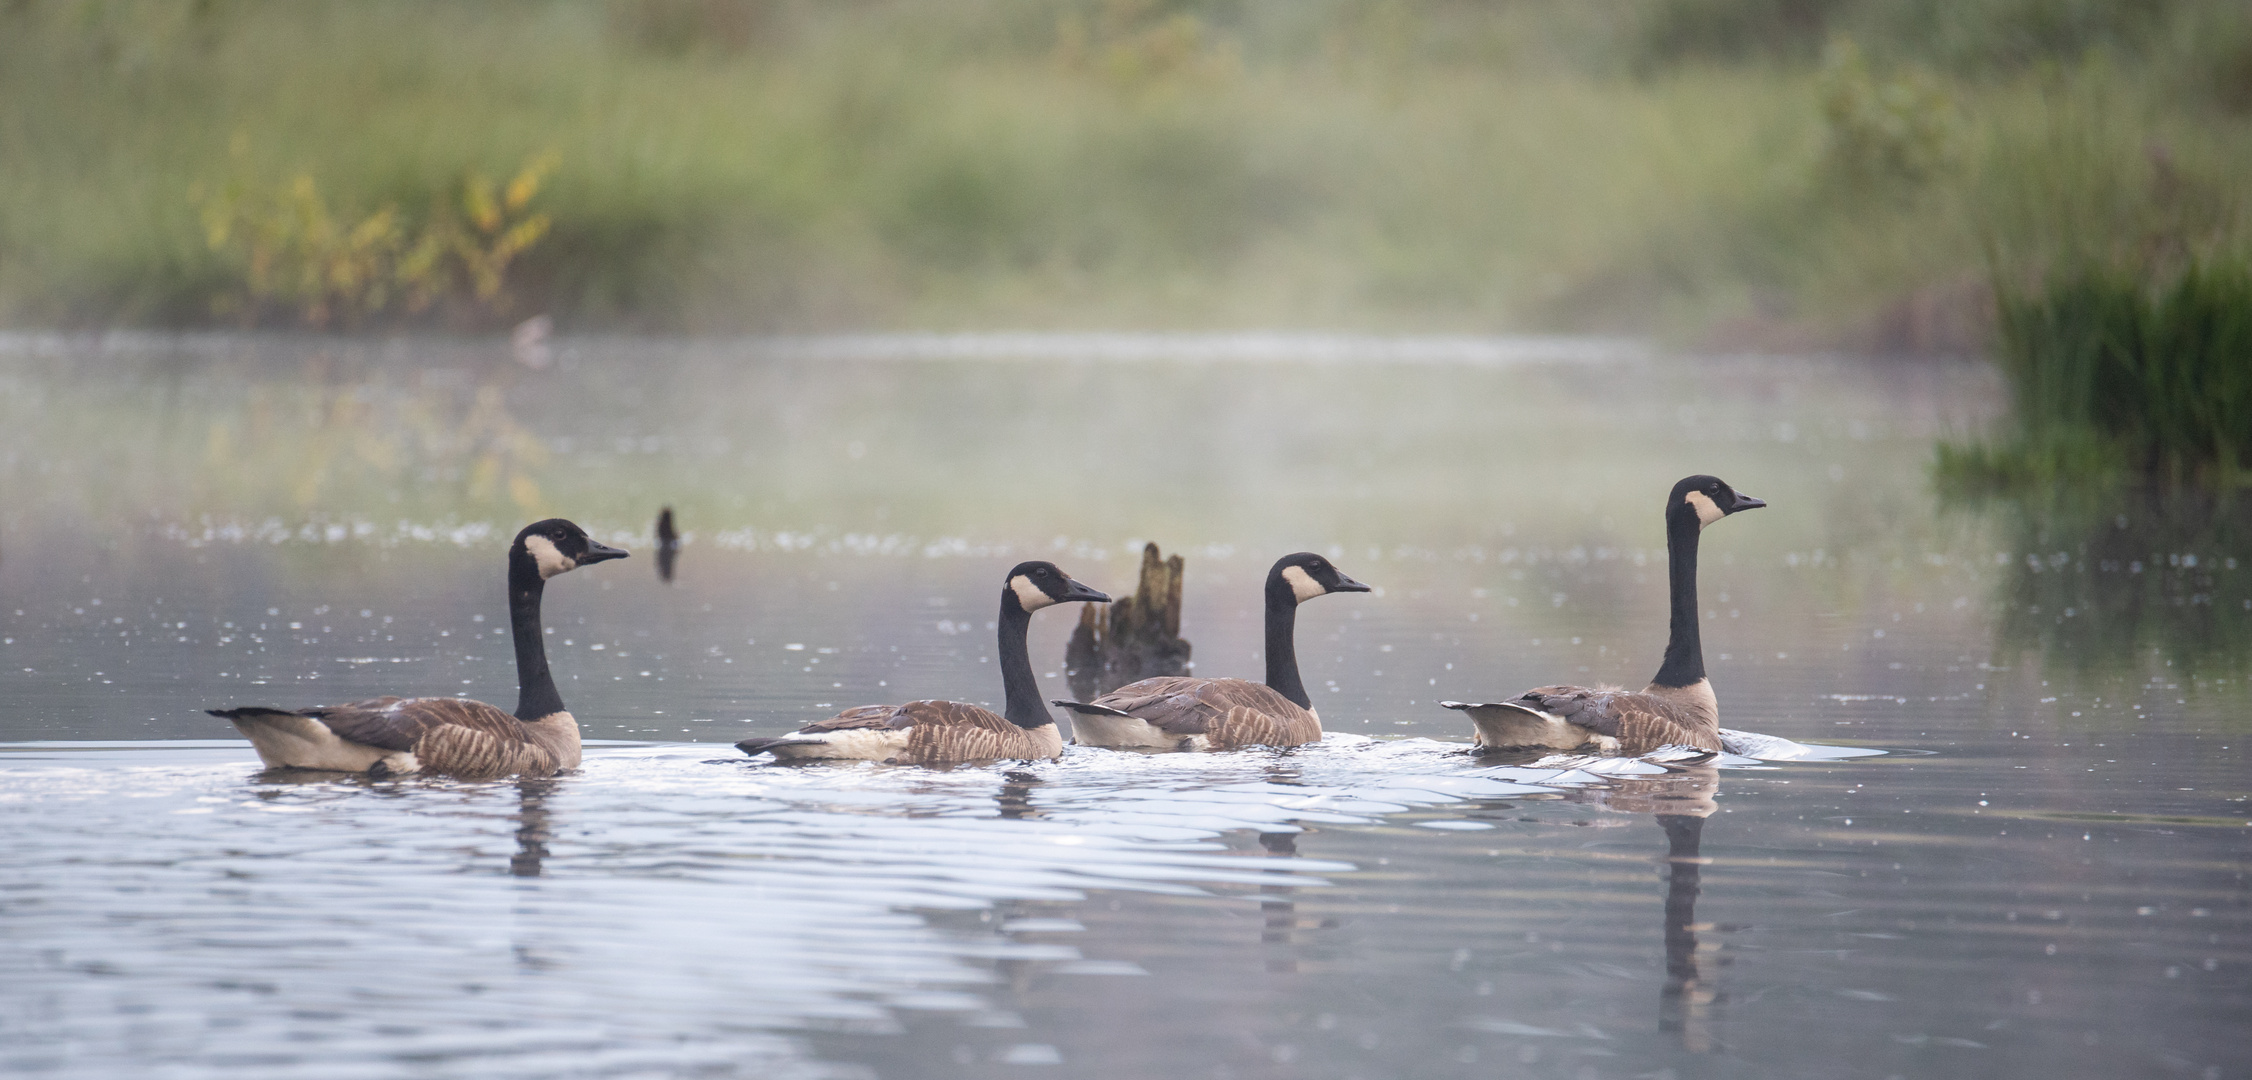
[{"x": 2041, "y": 875}]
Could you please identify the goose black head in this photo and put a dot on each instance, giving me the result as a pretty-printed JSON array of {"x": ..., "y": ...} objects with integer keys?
[
  {"x": 1708, "y": 499},
  {"x": 1039, "y": 584},
  {"x": 1309, "y": 575},
  {"x": 556, "y": 546}
]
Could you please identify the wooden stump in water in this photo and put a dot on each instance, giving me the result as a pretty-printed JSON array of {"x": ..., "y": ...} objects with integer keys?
[
  {"x": 668, "y": 545},
  {"x": 1138, "y": 637}
]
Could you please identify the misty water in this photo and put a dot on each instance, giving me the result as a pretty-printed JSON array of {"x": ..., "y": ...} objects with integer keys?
[{"x": 2041, "y": 871}]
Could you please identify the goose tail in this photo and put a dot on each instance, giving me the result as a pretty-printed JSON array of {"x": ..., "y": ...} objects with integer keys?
[
  {"x": 293, "y": 740},
  {"x": 755, "y": 747},
  {"x": 254, "y": 713},
  {"x": 1090, "y": 710},
  {"x": 1473, "y": 706}
]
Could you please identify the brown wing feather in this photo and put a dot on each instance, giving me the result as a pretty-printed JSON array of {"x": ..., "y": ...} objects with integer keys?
[
  {"x": 1246, "y": 726},
  {"x": 1180, "y": 705},
  {"x": 468, "y": 739},
  {"x": 478, "y": 753},
  {"x": 1170, "y": 702},
  {"x": 944, "y": 731},
  {"x": 1596, "y": 708},
  {"x": 1641, "y": 721},
  {"x": 862, "y": 716},
  {"x": 402, "y": 723},
  {"x": 1647, "y": 723}
]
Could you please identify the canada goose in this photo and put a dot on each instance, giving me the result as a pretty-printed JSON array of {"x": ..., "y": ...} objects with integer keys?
[
  {"x": 668, "y": 545},
  {"x": 939, "y": 732},
  {"x": 1181, "y": 712},
  {"x": 1677, "y": 708},
  {"x": 470, "y": 739}
]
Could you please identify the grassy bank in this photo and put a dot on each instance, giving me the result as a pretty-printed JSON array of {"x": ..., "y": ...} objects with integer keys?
[
  {"x": 2120, "y": 372},
  {"x": 1733, "y": 170}
]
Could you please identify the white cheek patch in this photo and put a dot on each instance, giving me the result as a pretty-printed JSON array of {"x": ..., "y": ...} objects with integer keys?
[
  {"x": 1302, "y": 584},
  {"x": 1029, "y": 596},
  {"x": 551, "y": 561},
  {"x": 1707, "y": 510}
]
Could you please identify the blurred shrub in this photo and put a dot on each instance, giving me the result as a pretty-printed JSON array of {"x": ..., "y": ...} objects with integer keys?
[
  {"x": 1135, "y": 43},
  {"x": 1897, "y": 131},
  {"x": 2214, "y": 65},
  {"x": 1675, "y": 30},
  {"x": 680, "y": 27},
  {"x": 1971, "y": 37},
  {"x": 301, "y": 260}
]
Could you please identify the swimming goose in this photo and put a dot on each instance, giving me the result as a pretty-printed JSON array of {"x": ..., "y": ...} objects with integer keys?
[
  {"x": 392, "y": 736},
  {"x": 939, "y": 732},
  {"x": 1677, "y": 708},
  {"x": 1180, "y": 712}
]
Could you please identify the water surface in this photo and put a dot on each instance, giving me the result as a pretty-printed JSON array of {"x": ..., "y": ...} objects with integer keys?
[{"x": 2042, "y": 874}]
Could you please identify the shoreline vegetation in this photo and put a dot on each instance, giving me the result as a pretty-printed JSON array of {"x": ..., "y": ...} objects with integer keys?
[
  {"x": 2119, "y": 374},
  {"x": 1759, "y": 173}
]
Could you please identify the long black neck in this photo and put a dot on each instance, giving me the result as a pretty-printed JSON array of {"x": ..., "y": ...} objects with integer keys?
[
  {"x": 535, "y": 687},
  {"x": 1282, "y": 642},
  {"x": 1685, "y": 653},
  {"x": 1024, "y": 707}
]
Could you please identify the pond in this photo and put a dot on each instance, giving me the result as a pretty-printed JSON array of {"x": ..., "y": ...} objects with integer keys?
[{"x": 2039, "y": 871}]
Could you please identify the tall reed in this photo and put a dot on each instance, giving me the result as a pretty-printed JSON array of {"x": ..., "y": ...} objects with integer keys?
[{"x": 2106, "y": 365}]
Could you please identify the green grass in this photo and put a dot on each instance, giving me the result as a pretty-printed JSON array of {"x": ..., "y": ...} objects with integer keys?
[
  {"x": 2113, "y": 374},
  {"x": 768, "y": 164}
]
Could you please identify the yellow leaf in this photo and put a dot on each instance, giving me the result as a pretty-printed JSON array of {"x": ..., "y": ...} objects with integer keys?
[
  {"x": 522, "y": 235},
  {"x": 527, "y": 182},
  {"x": 477, "y": 202}
]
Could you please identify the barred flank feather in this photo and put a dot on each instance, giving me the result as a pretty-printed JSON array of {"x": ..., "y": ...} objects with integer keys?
[
  {"x": 468, "y": 739},
  {"x": 1228, "y": 713}
]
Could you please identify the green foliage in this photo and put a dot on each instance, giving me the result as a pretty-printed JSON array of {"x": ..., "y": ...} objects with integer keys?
[
  {"x": 677, "y": 28},
  {"x": 1134, "y": 43},
  {"x": 1676, "y": 30},
  {"x": 761, "y": 164},
  {"x": 1973, "y": 37},
  {"x": 2107, "y": 368},
  {"x": 1884, "y": 132},
  {"x": 299, "y": 259}
]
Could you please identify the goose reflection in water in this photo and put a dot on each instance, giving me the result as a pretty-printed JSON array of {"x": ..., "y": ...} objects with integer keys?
[
  {"x": 1680, "y": 801},
  {"x": 532, "y": 827},
  {"x": 1280, "y": 911},
  {"x": 1015, "y": 797}
]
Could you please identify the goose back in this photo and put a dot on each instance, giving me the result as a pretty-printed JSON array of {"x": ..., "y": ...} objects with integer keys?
[
  {"x": 467, "y": 739},
  {"x": 927, "y": 732},
  {"x": 1214, "y": 714},
  {"x": 1610, "y": 718}
]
